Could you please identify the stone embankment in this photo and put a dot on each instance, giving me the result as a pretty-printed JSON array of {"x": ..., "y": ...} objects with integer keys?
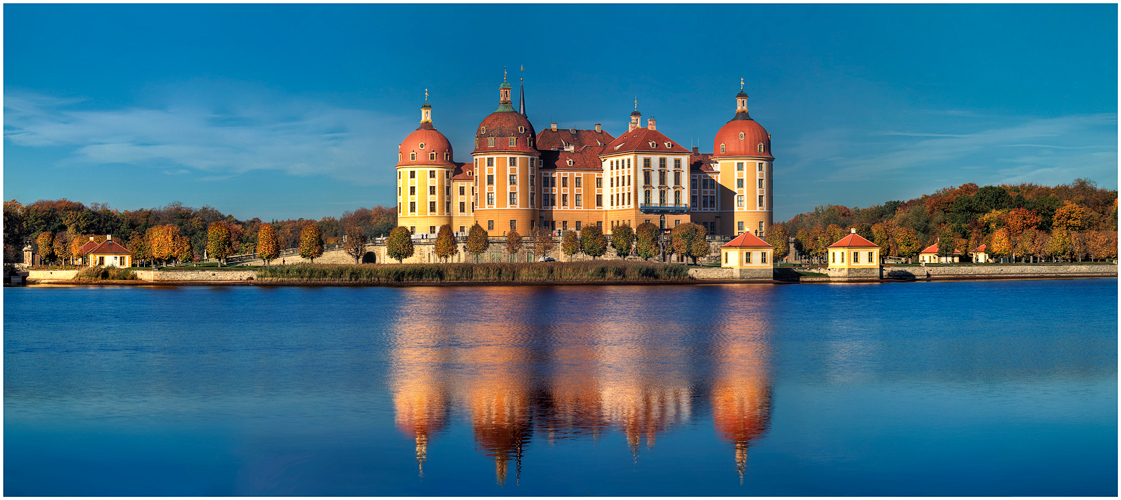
[{"x": 1019, "y": 271}]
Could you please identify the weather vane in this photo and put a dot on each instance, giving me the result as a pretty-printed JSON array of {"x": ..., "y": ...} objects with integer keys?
[
  {"x": 523, "y": 69},
  {"x": 426, "y": 94},
  {"x": 741, "y": 84},
  {"x": 504, "y": 73},
  {"x": 636, "y": 103}
]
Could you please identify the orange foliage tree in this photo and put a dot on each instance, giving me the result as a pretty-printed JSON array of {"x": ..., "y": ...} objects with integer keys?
[
  {"x": 45, "y": 241},
  {"x": 513, "y": 243},
  {"x": 1070, "y": 216},
  {"x": 311, "y": 242},
  {"x": 1019, "y": 220},
  {"x": 445, "y": 243},
  {"x": 219, "y": 243},
  {"x": 268, "y": 247}
]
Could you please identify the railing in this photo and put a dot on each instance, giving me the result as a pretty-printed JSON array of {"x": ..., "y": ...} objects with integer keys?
[{"x": 663, "y": 209}]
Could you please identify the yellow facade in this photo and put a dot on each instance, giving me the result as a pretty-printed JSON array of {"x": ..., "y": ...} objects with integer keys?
[
  {"x": 424, "y": 195},
  {"x": 506, "y": 192},
  {"x": 747, "y": 182},
  {"x": 747, "y": 258},
  {"x": 646, "y": 187},
  {"x": 854, "y": 257}
]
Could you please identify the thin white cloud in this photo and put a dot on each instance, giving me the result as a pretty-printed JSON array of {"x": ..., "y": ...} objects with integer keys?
[{"x": 211, "y": 132}]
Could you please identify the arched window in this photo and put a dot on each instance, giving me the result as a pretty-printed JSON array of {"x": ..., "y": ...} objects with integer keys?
[
  {"x": 760, "y": 147},
  {"x": 722, "y": 148},
  {"x": 412, "y": 156},
  {"x": 432, "y": 156},
  {"x": 447, "y": 156}
]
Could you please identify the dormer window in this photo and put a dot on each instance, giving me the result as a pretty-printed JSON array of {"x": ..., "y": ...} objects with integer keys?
[
  {"x": 482, "y": 130},
  {"x": 432, "y": 156},
  {"x": 653, "y": 144},
  {"x": 412, "y": 156},
  {"x": 760, "y": 147},
  {"x": 741, "y": 136},
  {"x": 721, "y": 148},
  {"x": 513, "y": 141},
  {"x": 490, "y": 142},
  {"x": 422, "y": 145},
  {"x": 669, "y": 144},
  {"x": 447, "y": 156},
  {"x": 569, "y": 162}
]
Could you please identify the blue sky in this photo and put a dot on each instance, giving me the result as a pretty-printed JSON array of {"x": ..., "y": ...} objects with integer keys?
[{"x": 288, "y": 111}]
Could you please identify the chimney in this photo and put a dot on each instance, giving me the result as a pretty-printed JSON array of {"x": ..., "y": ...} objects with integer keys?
[
  {"x": 854, "y": 230},
  {"x": 696, "y": 150},
  {"x": 650, "y": 123},
  {"x": 108, "y": 237},
  {"x": 598, "y": 128},
  {"x": 91, "y": 238},
  {"x": 553, "y": 126}
]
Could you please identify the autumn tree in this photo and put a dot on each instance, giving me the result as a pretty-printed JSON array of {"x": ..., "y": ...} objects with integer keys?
[
  {"x": 542, "y": 242},
  {"x": 689, "y": 240},
  {"x": 646, "y": 240},
  {"x": 138, "y": 245},
  {"x": 1019, "y": 220},
  {"x": 61, "y": 246},
  {"x": 570, "y": 245},
  {"x": 513, "y": 244},
  {"x": 907, "y": 242},
  {"x": 1002, "y": 243},
  {"x": 1026, "y": 244},
  {"x": 478, "y": 241},
  {"x": 946, "y": 242},
  {"x": 1059, "y": 246},
  {"x": 881, "y": 236},
  {"x": 268, "y": 247},
  {"x": 1070, "y": 216},
  {"x": 218, "y": 242},
  {"x": 183, "y": 250},
  {"x": 592, "y": 241},
  {"x": 779, "y": 238},
  {"x": 399, "y": 245},
  {"x": 445, "y": 243},
  {"x": 161, "y": 241},
  {"x": 622, "y": 239},
  {"x": 355, "y": 243},
  {"x": 45, "y": 242},
  {"x": 311, "y": 242},
  {"x": 1103, "y": 245}
]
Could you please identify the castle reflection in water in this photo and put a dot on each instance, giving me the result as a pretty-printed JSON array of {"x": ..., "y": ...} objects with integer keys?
[{"x": 575, "y": 375}]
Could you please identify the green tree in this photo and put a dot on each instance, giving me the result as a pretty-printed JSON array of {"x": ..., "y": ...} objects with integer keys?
[
  {"x": 478, "y": 241},
  {"x": 592, "y": 241},
  {"x": 622, "y": 239},
  {"x": 355, "y": 243},
  {"x": 139, "y": 248},
  {"x": 61, "y": 245},
  {"x": 399, "y": 245},
  {"x": 907, "y": 241},
  {"x": 513, "y": 243},
  {"x": 570, "y": 245},
  {"x": 945, "y": 242},
  {"x": 268, "y": 247},
  {"x": 686, "y": 240},
  {"x": 218, "y": 241},
  {"x": 45, "y": 242},
  {"x": 311, "y": 242},
  {"x": 646, "y": 240},
  {"x": 445, "y": 243},
  {"x": 1059, "y": 246}
]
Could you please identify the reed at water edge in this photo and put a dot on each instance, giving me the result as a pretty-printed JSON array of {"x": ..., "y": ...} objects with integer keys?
[{"x": 486, "y": 272}]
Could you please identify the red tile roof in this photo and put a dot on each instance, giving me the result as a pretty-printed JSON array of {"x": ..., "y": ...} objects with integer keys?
[
  {"x": 640, "y": 139},
  {"x": 90, "y": 245},
  {"x": 502, "y": 125},
  {"x": 854, "y": 240},
  {"x": 549, "y": 139},
  {"x": 980, "y": 249},
  {"x": 702, "y": 161},
  {"x": 584, "y": 158},
  {"x": 434, "y": 142},
  {"x": 464, "y": 171},
  {"x": 747, "y": 240},
  {"x": 109, "y": 247},
  {"x": 934, "y": 249}
]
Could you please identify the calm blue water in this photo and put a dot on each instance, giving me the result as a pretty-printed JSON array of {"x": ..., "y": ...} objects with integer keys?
[{"x": 959, "y": 388}]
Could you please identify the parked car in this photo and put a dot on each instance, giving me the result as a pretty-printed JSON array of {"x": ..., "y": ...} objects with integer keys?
[{"x": 544, "y": 258}]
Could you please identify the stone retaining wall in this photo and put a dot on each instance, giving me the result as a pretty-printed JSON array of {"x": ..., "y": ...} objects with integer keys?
[
  {"x": 40, "y": 276},
  {"x": 727, "y": 273},
  {"x": 991, "y": 271},
  {"x": 196, "y": 275}
]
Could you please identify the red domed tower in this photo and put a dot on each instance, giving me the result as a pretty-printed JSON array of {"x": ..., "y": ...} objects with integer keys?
[
  {"x": 424, "y": 172},
  {"x": 742, "y": 148},
  {"x": 506, "y": 164}
]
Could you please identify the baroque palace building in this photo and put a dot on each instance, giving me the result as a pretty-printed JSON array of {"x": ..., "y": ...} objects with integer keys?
[{"x": 566, "y": 179}]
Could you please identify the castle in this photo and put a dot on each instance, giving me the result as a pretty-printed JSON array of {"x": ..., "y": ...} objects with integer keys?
[{"x": 520, "y": 179}]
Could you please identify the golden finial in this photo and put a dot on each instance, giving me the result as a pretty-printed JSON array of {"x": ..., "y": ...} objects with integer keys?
[
  {"x": 523, "y": 77},
  {"x": 425, "y": 95},
  {"x": 741, "y": 84},
  {"x": 504, "y": 73},
  {"x": 636, "y": 103}
]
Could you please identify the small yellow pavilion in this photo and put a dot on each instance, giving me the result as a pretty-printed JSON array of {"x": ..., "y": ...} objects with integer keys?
[
  {"x": 854, "y": 251},
  {"x": 929, "y": 255},
  {"x": 980, "y": 254},
  {"x": 747, "y": 251}
]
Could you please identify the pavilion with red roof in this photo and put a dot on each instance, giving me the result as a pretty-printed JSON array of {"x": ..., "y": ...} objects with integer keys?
[
  {"x": 747, "y": 251},
  {"x": 854, "y": 251},
  {"x": 929, "y": 255},
  {"x": 109, "y": 253}
]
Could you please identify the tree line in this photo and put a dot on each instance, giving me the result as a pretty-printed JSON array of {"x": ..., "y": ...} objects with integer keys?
[
  {"x": 1025, "y": 222},
  {"x": 173, "y": 233}
]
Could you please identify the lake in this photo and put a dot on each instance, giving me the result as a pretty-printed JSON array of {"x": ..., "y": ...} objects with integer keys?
[{"x": 982, "y": 388}]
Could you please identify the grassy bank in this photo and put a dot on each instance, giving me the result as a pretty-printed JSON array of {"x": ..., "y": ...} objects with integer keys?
[
  {"x": 487, "y": 272},
  {"x": 104, "y": 274}
]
